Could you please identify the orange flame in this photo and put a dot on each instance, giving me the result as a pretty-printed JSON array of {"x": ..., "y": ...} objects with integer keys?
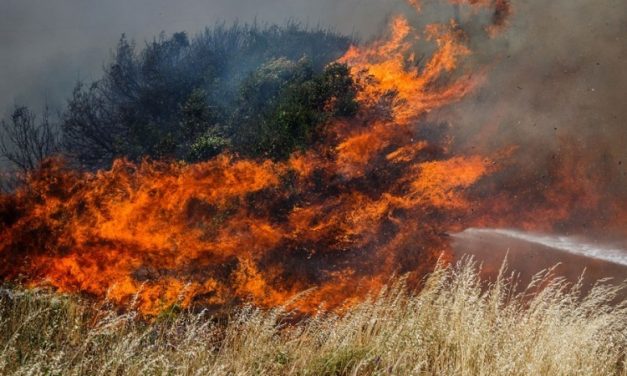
[{"x": 339, "y": 218}]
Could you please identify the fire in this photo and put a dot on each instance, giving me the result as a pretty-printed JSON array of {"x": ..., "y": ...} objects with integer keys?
[{"x": 331, "y": 224}]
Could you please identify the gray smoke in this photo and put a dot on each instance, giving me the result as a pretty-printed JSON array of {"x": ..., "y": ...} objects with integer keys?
[{"x": 558, "y": 72}]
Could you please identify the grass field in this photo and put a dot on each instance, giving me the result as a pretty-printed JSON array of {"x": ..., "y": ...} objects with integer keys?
[{"x": 454, "y": 326}]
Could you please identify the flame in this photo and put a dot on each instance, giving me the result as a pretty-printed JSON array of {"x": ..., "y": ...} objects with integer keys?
[{"x": 329, "y": 225}]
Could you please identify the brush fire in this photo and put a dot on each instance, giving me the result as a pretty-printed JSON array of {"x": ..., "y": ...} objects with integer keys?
[{"x": 375, "y": 197}]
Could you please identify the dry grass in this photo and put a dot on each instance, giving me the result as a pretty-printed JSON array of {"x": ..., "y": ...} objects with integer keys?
[{"x": 454, "y": 326}]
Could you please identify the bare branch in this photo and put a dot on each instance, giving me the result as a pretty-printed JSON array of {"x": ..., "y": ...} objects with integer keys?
[{"x": 25, "y": 142}]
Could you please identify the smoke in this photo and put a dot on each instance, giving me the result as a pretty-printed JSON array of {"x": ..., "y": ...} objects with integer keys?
[
  {"x": 556, "y": 76},
  {"x": 550, "y": 109}
]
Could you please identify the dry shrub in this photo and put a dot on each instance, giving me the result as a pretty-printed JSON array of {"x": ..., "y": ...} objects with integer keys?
[{"x": 455, "y": 325}]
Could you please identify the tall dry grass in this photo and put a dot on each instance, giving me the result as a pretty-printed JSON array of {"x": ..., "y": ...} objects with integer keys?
[{"x": 453, "y": 326}]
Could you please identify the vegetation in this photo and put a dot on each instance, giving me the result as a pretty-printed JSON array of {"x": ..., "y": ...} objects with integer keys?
[
  {"x": 283, "y": 104},
  {"x": 256, "y": 91},
  {"x": 25, "y": 141},
  {"x": 454, "y": 326},
  {"x": 32, "y": 140}
]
